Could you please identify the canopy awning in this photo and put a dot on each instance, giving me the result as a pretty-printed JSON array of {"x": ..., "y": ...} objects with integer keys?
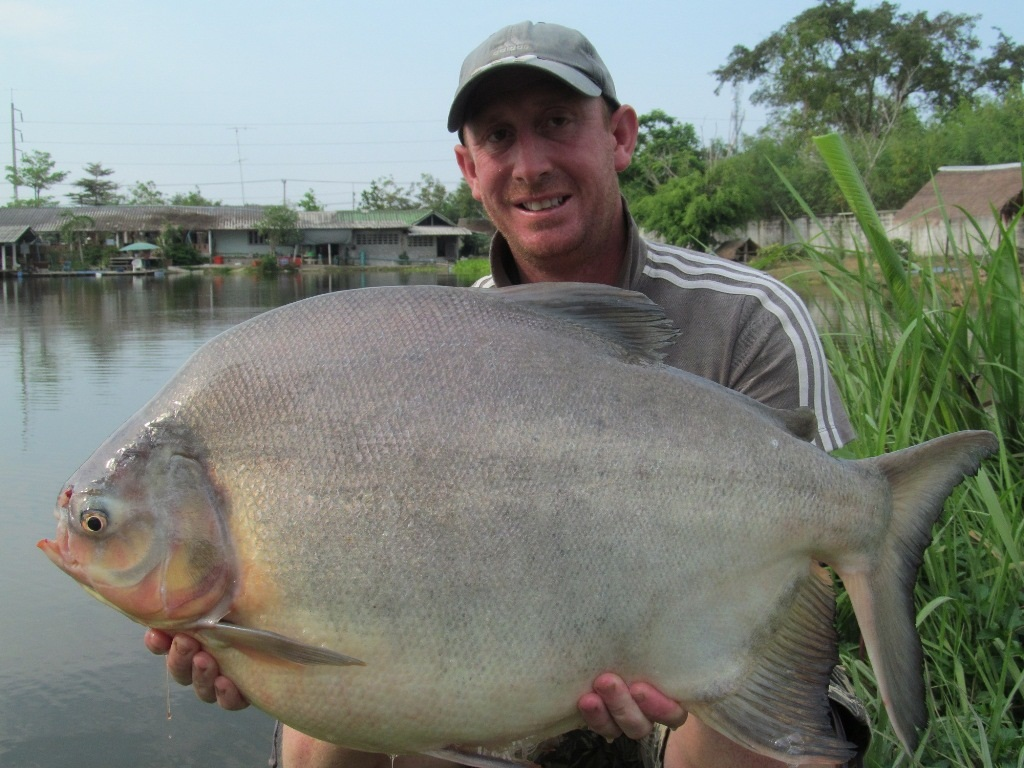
[{"x": 439, "y": 231}]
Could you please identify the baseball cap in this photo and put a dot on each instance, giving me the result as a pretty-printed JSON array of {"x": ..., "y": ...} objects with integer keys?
[{"x": 552, "y": 48}]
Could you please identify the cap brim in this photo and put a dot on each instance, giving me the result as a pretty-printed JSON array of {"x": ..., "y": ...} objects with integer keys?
[{"x": 568, "y": 75}]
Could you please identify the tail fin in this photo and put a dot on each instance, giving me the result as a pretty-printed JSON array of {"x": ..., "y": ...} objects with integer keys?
[{"x": 921, "y": 478}]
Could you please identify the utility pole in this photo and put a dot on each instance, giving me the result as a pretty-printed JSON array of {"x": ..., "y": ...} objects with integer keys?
[
  {"x": 238, "y": 149},
  {"x": 284, "y": 191},
  {"x": 736, "y": 121},
  {"x": 14, "y": 148}
]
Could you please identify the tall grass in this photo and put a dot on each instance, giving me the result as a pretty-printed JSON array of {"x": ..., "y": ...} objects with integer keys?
[{"x": 918, "y": 352}]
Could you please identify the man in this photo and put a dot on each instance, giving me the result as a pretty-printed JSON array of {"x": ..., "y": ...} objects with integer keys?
[{"x": 542, "y": 139}]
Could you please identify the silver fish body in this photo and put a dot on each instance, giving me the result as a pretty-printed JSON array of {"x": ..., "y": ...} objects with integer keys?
[{"x": 404, "y": 519}]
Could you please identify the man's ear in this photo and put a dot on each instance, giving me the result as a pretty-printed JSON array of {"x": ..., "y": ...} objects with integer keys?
[
  {"x": 468, "y": 167},
  {"x": 625, "y": 126}
]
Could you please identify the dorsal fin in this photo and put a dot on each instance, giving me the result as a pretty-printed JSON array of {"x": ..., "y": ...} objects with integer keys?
[
  {"x": 627, "y": 318},
  {"x": 799, "y": 422}
]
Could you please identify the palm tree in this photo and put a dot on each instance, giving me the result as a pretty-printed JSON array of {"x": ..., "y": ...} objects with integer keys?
[{"x": 73, "y": 229}]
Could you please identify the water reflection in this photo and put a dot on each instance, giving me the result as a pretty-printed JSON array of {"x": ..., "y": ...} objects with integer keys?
[{"x": 78, "y": 356}]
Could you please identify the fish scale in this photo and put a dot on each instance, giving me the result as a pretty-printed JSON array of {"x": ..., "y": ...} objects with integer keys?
[{"x": 441, "y": 513}]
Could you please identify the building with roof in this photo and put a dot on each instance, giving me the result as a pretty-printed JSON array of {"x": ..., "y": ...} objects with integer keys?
[
  {"x": 961, "y": 208},
  {"x": 18, "y": 244},
  {"x": 743, "y": 250},
  {"x": 229, "y": 234}
]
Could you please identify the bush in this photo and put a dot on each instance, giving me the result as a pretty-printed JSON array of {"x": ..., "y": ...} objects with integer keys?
[
  {"x": 772, "y": 255},
  {"x": 267, "y": 265},
  {"x": 182, "y": 254},
  {"x": 468, "y": 271}
]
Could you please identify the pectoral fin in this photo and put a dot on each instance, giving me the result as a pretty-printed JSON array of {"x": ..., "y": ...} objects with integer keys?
[{"x": 276, "y": 645}]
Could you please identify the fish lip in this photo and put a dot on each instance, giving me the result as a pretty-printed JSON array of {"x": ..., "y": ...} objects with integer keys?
[{"x": 58, "y": 551}]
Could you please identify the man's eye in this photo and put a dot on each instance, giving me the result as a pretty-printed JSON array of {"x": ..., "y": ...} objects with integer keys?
[{"x": 498, "y": 136}]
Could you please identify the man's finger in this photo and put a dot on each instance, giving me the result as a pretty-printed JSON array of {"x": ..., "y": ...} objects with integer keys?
[
  {"x": 656, "y": 706},
  {"x": 596, "y": 716},
  {"x": 179, "y": 658},
  {"x": 228, "y": 695},
  {"x": 157, "y": 642},
  {"x": 204, "y": 676},
  {"x": 621, "y": 706}
]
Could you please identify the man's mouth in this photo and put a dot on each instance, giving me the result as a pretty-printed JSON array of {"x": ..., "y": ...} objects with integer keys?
[{"x": 542, "y": 205}]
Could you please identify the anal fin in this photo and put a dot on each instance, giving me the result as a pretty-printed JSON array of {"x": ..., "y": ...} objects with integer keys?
[{"x": 781, "y": 709}]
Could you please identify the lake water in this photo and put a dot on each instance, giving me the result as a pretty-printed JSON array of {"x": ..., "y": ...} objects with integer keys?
[{"x": 78, "y": 356}]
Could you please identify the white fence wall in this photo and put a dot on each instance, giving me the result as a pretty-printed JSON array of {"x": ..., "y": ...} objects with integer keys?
[{"x": 842, "y": 230}]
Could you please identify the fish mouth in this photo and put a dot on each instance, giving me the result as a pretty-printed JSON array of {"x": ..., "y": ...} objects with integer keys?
[{"x": 59, "y": 553}]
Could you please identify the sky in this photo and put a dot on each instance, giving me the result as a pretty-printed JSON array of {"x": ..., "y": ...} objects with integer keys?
[{"x": 257, "y": 102}]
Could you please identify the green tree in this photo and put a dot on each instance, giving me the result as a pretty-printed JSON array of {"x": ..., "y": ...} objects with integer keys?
[
  {"x": 96, "y": 188},
  {"x": 692, "y": 209},
  {"x": 776, "y": 154},
  {"x": 386, "y": 194},
  {"x": 665, "y": 149},
  {"x": 309, "y": 202},
  {"x": 145, "y": 193},
  {"x": 460, "y": 204},
  {"x": 175, "y": 246},
  {"x": 1003, "y": 70},
  {"x": 36, "y": 172},
  {"x": 279, "y": 226},
  {"x": 194, "y": 197},
  {"x": 73, "y": 230},
  {"x": 835, "y": 67},
  {"x": 431, "y": 193}
]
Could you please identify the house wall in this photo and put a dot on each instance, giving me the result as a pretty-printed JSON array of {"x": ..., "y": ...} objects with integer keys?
[
  {"x": 234, "y": 247},
  {"x": 386, "y": 246}
]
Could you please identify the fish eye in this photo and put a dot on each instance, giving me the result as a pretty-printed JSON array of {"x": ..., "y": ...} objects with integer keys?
[{"x": 93, "y": 520}]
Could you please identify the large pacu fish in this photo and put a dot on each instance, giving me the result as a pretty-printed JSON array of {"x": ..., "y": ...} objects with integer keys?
[{"x": 413, "y": 519}]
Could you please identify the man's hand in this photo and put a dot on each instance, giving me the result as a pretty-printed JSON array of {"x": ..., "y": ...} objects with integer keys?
[
  {"x": 613, "y": 708},
  {"x": 189, "y": 664}
]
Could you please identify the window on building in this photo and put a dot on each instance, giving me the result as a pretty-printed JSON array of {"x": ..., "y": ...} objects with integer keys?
[{"x": 371, "y": 237}]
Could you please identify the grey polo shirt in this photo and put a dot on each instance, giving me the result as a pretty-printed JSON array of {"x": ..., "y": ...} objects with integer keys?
[{"x": 740, "y": 327}]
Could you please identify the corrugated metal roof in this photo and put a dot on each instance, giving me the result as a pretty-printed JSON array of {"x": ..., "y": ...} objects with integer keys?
[
  {"x": 137, "y": 218},
  {"x": 379, "y": 219},
  {"x": 152, "y": 218},
  {"x": 12, "y": 233}
]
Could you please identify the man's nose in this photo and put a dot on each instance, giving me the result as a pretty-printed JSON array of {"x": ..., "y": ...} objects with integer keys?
[{"x": 532, "y": 159}]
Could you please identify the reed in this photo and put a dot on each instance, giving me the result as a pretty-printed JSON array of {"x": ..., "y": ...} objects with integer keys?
[{"x": 918, "y": 352}]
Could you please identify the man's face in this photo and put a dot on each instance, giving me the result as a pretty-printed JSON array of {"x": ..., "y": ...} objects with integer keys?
[{"x": 544, "y": 160}]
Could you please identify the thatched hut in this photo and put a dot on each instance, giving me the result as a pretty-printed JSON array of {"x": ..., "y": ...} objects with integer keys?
[
  {"x": 743, "y": 250},
  {"x": 962, "y": 207}
]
